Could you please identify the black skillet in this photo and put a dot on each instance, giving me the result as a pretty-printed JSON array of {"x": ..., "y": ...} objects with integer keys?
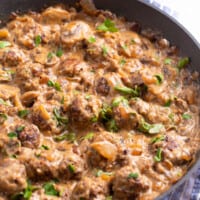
[{"x": 133, "y": 10}]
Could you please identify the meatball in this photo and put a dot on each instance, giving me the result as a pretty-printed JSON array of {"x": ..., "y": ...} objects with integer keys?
[
  {"x": 102, "y": 86},
  {"x": 90, "y": 189},
  {"x": 30, "y": 136},
  {"x": 12, "y": 176},
  {"x": 82, "y": 111},
  {"x": 128, "y": 183}
]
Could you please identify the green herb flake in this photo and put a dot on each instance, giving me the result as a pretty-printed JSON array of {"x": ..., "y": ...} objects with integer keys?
[
  {"x": 107, "y": 26},
  {"x": 112, "y": 126},
  {"x": 159, "y": 78},
  {"x": 157, "y": 139},
  {"x": 183, "y": 62},
  {"x": 122, "y": 62},
  {"x": 158, "y": 156},
  {"x": 133, "y": 41},
  {"x": 2, "y": 102},
  {"x": 105, "y": 113},
  {"x": 87, "y": 97},
  {"x": 4, "y": 44},
  {"x": 50, "y": 189},
  {"x": 50, "y": 55},
  {"x": 88, "y": 136},
  {"x": 44, "y": 147},
  {"x": 12, "y": 134},
  {"x": 71, "y": 137},
  {"x": 60, "y": 119},
  {"x": 59, "y": 52},
  {"x": 119, "y": 100},
  {"x": 133, "y": 176},
  {"x": 168, "y": 103},
  {"x": 94, "y": 119},
  {"x": 3, "y": 118},
  {"x": 109, "y": 198},
  {"x": 20, "y": 129},
  {"x": 171, "y": 116},
  {"x": 92, "y": 39},
  {"x": 150, "y": 128},
  {"x": 55, "y": 85},
  {"x": 71, "y": 168},
  {"x": 128, "y": 91},
  {"x": 38, "y": 40},
  {"x": 168, "y": 61},
  {"x": 23, "y": 113},
  {"x": 104, "y": 50},
  {"x": 186, "y": 116}
]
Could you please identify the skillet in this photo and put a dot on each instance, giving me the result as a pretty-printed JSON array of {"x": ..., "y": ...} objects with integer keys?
[{"x": 147, "y": 16}]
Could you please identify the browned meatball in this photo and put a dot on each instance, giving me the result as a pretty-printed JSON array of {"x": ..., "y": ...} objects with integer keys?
[
  {"x": 12, "y": 176},
  {"x": 83, "y": 112},
  {"x": 90, "y": 189},
  {"x": 128, "y": 183},
  {"x": 30, "y": 136},
  {"x": 102, "y": 86}
]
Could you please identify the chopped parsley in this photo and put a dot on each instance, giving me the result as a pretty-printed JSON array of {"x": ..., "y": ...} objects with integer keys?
[
  {"x": 158, "y": 156},
  {"x": 87, "y": 97},
  {"x": 38, "y": 40},
  {"x": 150, "y": 128},
  {"x": 158, "y": 139},
  {"x": 119, "y": 100},
  {"x": 71, "y": 137},
  {"x": 88, "y": 136},
  {"x": 168, "y": 61},
  {"x": 59, "y": 52},
  {"x": 122, "y": 62},
  {"x": 2, "y": 102},
  {"x": 55, "y": 85},
  {"x": 112, "y": 126},
  {"x": 20, "y": 128},
  {"x": 159, "y": 78},
  {"x": 186, "y": 116},
  {"x": 109, "y": 198},
  {"x": 91, "y": 39},
  {"x": 4, "y": 44},
  {"x": 50, "y": 55},
  {"x": 104, "y": 50},
  {"x": 44, "y": 147},
  {"x": 71, "y": 168},
  {"x": 49, "y": 189},
  {"x": 133, "y": 176},
  {"x": 60, "y": 119},
  {"x": 23, "y": 113},
  {"x": 3, "y": 118},
  {"x": 168, "y": 103},
  {"x": 183, "y": 62},
  {"x": 12, "y": 134},
  {"x": 128, "y": 91},
  {"x": 107, "y": 26},
  {"x": 94, "y": 119}
]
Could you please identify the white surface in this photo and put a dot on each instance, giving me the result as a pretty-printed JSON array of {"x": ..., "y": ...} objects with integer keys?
[{"x": 186, "y": 12}]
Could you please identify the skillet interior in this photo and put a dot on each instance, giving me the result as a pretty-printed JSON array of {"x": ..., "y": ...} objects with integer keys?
[{"x": 145, "y": 15}]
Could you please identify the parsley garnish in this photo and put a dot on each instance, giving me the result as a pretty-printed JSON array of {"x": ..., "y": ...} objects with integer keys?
[
  {"x": 71, "y": 168},
  {"x": 88, "y": 136},
  {"x": 168, "y": 103},
  {"x": 158, "y": 139},
  {"x": 23, "y": 113},
  {"x": 3, "y": 117},
  {"x": 71, "y": 137},
  {"x": 55, "y": 85},
  {"x": 91, "y": 39},
  {"x": 12, "y": 134},
  {"x": 38, "y": 40},
  {"x": 59, "y": 52},
  {"x": 60, "y": 119},
  {"x": 150, "y": 128},
  {"x": 159, "y": 78},
  {"x": 107, "y": 26},
  {"x": 128, "y": 91},
  {"x": 50, "y": 189},
  {"x": 168, "y": 61},
  {"x": 4, "y": 44},
  {"x": 158, "y": 156},
  {"x": 44, "y": 147},
  {"x": 183, "y": 62},
  {"x": 133, "y": 176},
  {"x": 104, "y": 50},
  {"x": 112, "y": 126},
  {"x": 122, "y": 62},
  {"x": 119, "y": 100},
  {"x": 100, "y": 172},
  {"x": 186, "y": 116}
]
